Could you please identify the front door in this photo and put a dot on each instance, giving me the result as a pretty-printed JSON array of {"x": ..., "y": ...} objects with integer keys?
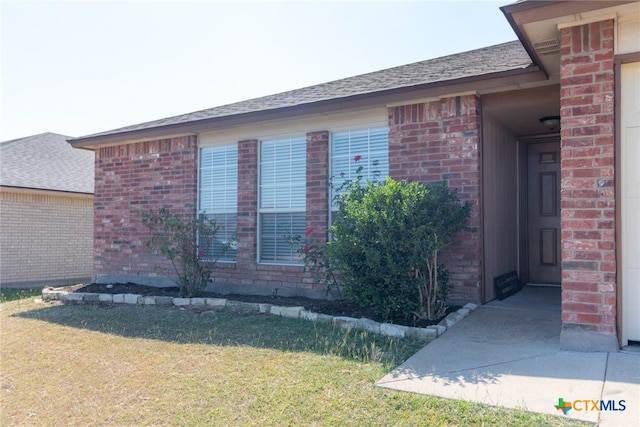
[{"x": 543, "y": 212}]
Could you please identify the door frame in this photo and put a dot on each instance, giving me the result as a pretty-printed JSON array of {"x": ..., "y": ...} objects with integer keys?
[{"x": 523, "y": 196}]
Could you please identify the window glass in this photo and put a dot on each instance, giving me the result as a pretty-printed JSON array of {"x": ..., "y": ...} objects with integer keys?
[
  {"x": 218, "y": 197},
  {"x": 282, "y": 205},
  {"x": 371, "y": 149}
]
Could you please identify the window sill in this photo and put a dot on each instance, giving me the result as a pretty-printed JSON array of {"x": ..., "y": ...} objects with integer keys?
[{"x": 296, "y": 268}]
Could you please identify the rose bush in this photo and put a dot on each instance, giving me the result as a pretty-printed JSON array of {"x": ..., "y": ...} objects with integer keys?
[{"x": 183, "y": 242}]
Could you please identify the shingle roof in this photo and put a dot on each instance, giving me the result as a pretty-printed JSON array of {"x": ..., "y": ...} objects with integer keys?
[
  {"x": 46, "y": 161},
  {"x": 486, "y": 61}
]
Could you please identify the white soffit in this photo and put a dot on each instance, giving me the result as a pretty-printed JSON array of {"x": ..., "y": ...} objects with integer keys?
[{"x": 544, "y": 37}]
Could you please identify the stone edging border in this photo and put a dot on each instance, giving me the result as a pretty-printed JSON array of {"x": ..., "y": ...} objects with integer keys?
[{"x": 221, "y": 304}]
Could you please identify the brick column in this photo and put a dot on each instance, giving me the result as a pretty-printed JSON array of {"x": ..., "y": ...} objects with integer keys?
[
  {"x": 436, "y": 140},
  {"x": 588, "y": 190},
  {"x": 247, "y": 203},
  {"x": 318, "y": 183}
]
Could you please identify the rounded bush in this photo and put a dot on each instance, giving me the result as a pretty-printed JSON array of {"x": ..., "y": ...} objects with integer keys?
[{"x": 386, "y": 238}]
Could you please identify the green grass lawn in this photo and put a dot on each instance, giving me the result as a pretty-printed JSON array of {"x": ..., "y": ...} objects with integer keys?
[
  {"x": 133, "y": 365},
  {"x": 12, "y": 294}
]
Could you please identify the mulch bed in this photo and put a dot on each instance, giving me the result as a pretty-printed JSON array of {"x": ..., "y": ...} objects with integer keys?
[{"x": 332, "y": 308}]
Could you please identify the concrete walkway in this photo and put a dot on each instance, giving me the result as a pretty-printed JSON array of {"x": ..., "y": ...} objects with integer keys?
[{"x": 506, "y": 353}]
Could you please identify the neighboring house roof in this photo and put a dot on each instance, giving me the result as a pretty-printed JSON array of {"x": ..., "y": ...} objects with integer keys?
[
  {"x": 46, "y": 161},
  {"x": 487, "y": 61}
]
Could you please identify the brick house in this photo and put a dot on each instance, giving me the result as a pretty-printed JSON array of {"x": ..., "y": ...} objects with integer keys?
[
  {"x": 46, "y": 211},
  {"x": 557, "y": 202}
]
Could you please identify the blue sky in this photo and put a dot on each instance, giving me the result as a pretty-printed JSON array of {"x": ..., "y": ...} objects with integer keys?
[{"x": 83, "y": 67}]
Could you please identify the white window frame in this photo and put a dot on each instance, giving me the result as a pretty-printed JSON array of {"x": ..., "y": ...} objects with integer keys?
[
  {"x": 224, "y": 205},
  {"x": 278, "y": 204}
]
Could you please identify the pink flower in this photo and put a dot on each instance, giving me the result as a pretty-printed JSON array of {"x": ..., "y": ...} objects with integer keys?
[
  {"x": 200, "y": 251},
  {"x": 306, "y": 249},
  {"x": 356, "y": 158},
  {"x": 308, "y": 231}
]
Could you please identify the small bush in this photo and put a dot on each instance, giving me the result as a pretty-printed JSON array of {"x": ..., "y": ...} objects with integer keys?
[
  {"x": 175, "y": 238},
  {"x": 386, "y": 239}
]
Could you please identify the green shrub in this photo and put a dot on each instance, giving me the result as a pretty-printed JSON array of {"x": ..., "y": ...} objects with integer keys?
[{"x": 386, "y": 239}]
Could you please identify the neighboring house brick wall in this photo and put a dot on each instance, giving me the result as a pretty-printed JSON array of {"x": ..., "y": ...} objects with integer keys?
[
  {"x": 141, "y": 176},
  {"x": 45, "y": 238},
  {"x": 440, "y": 139},
  {"x": 588, "y": 188}
]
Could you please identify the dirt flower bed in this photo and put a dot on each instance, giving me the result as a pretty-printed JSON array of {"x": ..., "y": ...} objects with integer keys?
[{"x": 332, "y": 308}]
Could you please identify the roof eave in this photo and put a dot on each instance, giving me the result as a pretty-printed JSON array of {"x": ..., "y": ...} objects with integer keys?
[
  {"x": 540, "y": 10},
  {"x": 36, "y": 190},
  {"x": 526, "y": 5},
  {"x": 525, "y": 74},
  {"x": 508, "y": 12}
]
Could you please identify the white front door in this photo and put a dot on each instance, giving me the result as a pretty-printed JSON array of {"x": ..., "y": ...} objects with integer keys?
[{"x": 630, "y": 189}]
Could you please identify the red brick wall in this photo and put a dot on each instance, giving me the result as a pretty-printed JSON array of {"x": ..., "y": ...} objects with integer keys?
[
  {"x": 318, "y": 184},
  {"x": 247, "y": 203},
  {"x": 427, "y": 142},
  {"x": 265, "y": 278},
  {"x": 587, "y": 194},
  {"x": 440, "y": 139},
  {"x": 163, "y": 174},
  {"x": 146, "y": 175}
]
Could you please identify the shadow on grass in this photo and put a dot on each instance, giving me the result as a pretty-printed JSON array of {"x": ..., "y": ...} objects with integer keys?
[{"x": 266, "y": 331}]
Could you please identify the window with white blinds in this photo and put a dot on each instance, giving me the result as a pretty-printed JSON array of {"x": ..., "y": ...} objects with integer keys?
[
  {"x": 363, "y": 148},
  {"x": 282, "y": 203},
  {"x": 218, "y": 197}
]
